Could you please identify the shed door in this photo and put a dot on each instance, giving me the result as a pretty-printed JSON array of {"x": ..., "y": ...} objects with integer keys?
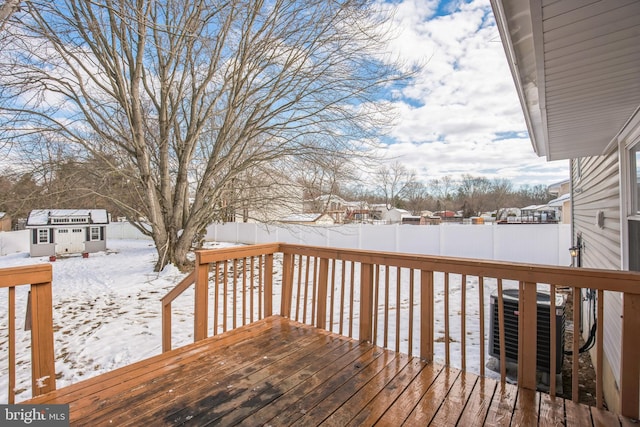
[{"x": 69, "y": 240}]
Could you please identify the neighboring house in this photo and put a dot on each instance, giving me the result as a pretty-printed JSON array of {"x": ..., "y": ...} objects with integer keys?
[
  {"x": 5, "y": 222},
  {"x": 562, "y": 202},
  {"x": 576, "y": 66},
  {"x": 341, "y": 210},
  {"x": 67, "y": 231},
  {"x": 393, "y": 215},
  {"x": 309, "y": 219}
]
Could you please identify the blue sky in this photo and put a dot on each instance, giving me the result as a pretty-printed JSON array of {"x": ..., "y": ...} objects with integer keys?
[{"x": 461, "y": 114}]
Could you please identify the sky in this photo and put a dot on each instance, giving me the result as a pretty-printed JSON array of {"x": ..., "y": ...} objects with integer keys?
[{"x": 461, "y": 114}]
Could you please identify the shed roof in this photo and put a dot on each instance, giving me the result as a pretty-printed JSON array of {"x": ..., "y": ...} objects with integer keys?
[{"x": 42, "y": 216}]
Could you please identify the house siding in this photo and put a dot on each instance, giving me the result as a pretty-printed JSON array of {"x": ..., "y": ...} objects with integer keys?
[{"x": 597, "y": 188}]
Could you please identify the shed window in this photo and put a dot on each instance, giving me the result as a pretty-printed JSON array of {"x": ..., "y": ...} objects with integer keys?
[
  {"x": 43, "y": 235},
  {"x": 95, "y": 233}
]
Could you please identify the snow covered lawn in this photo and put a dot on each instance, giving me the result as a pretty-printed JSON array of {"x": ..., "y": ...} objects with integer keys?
[{"x": 106, "y": 312}]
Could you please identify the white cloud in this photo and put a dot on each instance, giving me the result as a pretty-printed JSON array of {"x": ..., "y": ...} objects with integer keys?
[{"x": 461, "y": 114}]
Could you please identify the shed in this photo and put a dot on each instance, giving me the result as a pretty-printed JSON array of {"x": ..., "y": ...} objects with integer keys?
[{"x": 67, "y": 231}]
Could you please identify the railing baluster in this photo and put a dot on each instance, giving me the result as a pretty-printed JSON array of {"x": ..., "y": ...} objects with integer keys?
[
  {"x": 463, "y": 325},
  {"x": 225, "y": 295},
  {"x": 12, "y": 345},
  {"x": 298, "y": 293},
  {"x": 342, "y": 290},
  {"x": 251, "y": 286},
  {"x": 447, "y": 356},
  {"x": 376, "y": 292},
  {"x": 333, "y": 293},
  {"x": 386, "y": 307},
  {"x": 481, "y": 314},
  {"x": 575, "y": 359},
  {"x": 252, "y": 279},
  {"x": 305, "y": 288},
  {"x": 244, "y": 290},
  {"x": 314, "y": 295},
  {"x": 351, "y": 296},
  {"x": 235, "y": 293},
  {"x": 503, "y": 355},
  {"x": 216, "y": 297},
  {"x": 599, "y": 348},
  {"x": 398, "y": 302},
  {"x": 411, "y": 296},
  {"x": 553, "y": 335}
]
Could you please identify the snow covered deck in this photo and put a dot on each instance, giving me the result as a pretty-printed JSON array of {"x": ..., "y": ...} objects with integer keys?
[{"x": 281, "y": 372}]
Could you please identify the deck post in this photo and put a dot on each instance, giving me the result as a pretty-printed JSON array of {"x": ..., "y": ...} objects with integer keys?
[
  {"x": 201, "y": 299},
  {"x": 366, "y": 303},
  {"x": 426, "y": 315},
  {"x": 527, "y": 332},
  {"x": 268, "y": 285},
  {"x": 287, "y": 284},
  {"x": 43, "y": 372},
  {"x": 323, "y": 280},
  {"x": 630, "y": 356}
]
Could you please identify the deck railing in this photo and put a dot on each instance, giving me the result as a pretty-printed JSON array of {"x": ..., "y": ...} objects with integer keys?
[
  {"x": 40, "y": 312},
  {"x": 390, "y": 299}
]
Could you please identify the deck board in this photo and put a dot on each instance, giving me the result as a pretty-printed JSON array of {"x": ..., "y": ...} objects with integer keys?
[{"x": 279, "y": 372}]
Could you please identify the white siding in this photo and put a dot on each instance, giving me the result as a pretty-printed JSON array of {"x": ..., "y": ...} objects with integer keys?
[{"x": 598, "y": 189}]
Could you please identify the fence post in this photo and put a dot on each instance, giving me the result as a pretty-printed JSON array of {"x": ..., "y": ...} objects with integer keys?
[
  {"x": 366, "y": 302},
  {"x": 201, "y": 299},
  {"x": 43, "y": 372},
  {"x": 426, "y": 315},
  {"x": 630, "y": 356},
  {"x": 527, "y": 333},
  {"x": 323, "y": 280}
]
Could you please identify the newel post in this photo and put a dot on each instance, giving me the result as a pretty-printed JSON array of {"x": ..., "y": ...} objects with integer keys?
[
  {"x": 287, "y": 285},
  {"x": 43, "y": 372},
  {"x": 527, "y": 333},
  {"x": 201, "y": 308},
  {"x": 323, "y": 282},
  {"x": 366, "y": 303},
  {"x": 630, "y": 356},
  {"x": 268, "y": 285},
  {"x": 426, "y": 315}
]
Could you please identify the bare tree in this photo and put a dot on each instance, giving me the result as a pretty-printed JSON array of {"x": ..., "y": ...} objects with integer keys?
[
  {"x": 474, "y": 192},
  {"x": 443, "y": 190},
  {"x": 323, "y": 180},
  {"x": 183, "y": 97},
  {"x": 393, "y": 182},
  {"x": 8, "y": 8}
]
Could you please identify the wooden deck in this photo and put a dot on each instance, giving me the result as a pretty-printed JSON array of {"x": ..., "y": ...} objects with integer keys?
[{"x": 278, "y": 372}]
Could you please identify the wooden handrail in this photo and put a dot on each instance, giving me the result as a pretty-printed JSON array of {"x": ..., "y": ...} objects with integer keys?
[
  {"x": 43, "y": 376},
  {"x": 199, "y": 278},
  {"x": 326, "y": 286},
  {"x": 166, "y": 308}
]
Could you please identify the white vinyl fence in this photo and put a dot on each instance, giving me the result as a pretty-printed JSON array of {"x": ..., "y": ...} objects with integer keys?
[{"x": 530, "y": 243}]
